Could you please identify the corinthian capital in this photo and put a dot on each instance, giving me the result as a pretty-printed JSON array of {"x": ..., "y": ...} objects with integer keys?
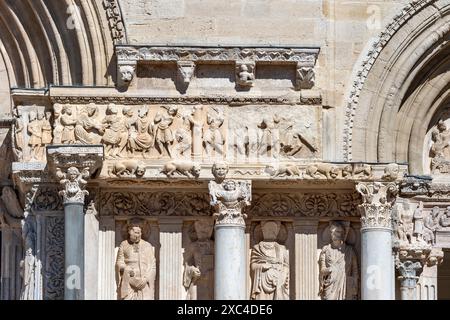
[
  {"x": 73, "y": 182},
  {"x": 378, "y": 199}
]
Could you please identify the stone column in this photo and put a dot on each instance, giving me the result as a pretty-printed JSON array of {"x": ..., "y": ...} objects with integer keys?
[
  {"x": 74, "y": 246},
  {"x": 72, "y": 166},
  {"x": 408, "y": 278},
  {"x": 306, "y": 271},
  {"x": 107, "y": 260},
  {"x": 376, "y": 240},
  {"x": 171, "y": 260},
  {"x": 229, "y": 197}
]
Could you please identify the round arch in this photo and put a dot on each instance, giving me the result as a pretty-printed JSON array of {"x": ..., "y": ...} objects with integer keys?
[{"x": 402, "y": 88}]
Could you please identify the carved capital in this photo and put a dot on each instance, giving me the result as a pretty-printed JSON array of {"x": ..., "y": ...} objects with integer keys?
[
  {"x": 306, "y": 76},
  {"x": 73, "y": 183},
  {"x": 229, "y": 199},
  {"x": 80, "y": 156},
  {"x": 409, "y": 270},
  {"x": 378, "y": 199},
  {"x": 415, "y": 185}
]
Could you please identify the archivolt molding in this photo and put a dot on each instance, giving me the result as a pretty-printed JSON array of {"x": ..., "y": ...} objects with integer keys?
[
  {"x": 407, "y": 13},
  {"x": 115, "y": 21}
]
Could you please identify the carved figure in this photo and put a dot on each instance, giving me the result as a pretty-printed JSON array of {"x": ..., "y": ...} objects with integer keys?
[
  {"x": 213, "y": 138},
  {"x": 338, "y": 266},
  {"x": 270, "y": 136},
  {"x": 127, "y": 168},
  {"x": 418, "y": 223},
  {"x": 46, "y": 127},
  {"x": 73, "y": 182},
  {"x": 431, "y": 224},
  {"x": 136, "y": 266},
  {"x": 164, "y": 136},
  {"x": 35, "y": 132},
  {"x": 391, "y": 172},
  {"x": 18, "y": 137},
  {"x": 322, "y": 169},
  {"x": 144, "y": 139},
  {"x": 198, "y": 276},
  {"x": 186, "y": 168},
  {"x": 114, "y": 129},
  {"x": 68, "y": 121},
  {"x": 246, "y": 75},
  {"x": 270, "y": 266},
  {"x": 444, "y": 221},
  {"x": 283, "y": 170},
  {"x": 87, "y": 129}
]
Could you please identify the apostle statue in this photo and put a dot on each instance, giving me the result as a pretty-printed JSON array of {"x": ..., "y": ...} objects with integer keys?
[
  {"x": 136, "y": 266},
  {"x": 338, "y": 266},
  {"x": 198, "y": 277},
  {"x": 270, "y": 266}
]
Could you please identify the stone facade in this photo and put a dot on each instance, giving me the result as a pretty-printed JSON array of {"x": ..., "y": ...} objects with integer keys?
[{"x": 266, "y": 150}]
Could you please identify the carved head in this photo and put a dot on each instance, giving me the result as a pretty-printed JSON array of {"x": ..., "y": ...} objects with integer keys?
[
  {"x": 442, "y": 126},
  {"x": 143, "y": 112},
  {"x": 112, "y": 109},
  {"x": 334, "y": 172},
  {"x": 128, "y": 111},
  {"x": 244, "y": 68},
  {"x": 435, "y": 211},
  {"x": 173, "y": 110},
  {"x": 135, "y": 230},
  {"x": 270, "y": 169},
  {"x": 204, "y": 229},
  {"x": 32, "y": 115},
  {"x": 40, "y": 114},
  {"x": 391, "y": 171},
  {"x": 91, "y": 109},
  {"x": 73, "y": 174},
  {"x": 196, "y": 170},
  {"x": 67, "y": 110},
  {"x": 220, "y": 170},
  {"x": 127, "y": 73},
  {"x": 347, "y": 171},
  {"x": 270, "y": 230},
  {"x": 140, "y": 171},
  {"x": 338, "y": 233},
  {"x": 229, "y": 185}
]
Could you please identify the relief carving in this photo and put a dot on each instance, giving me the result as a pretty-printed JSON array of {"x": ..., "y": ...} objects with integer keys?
[
  {"x": 440, "y": 149},
  {"x": 229, "y": 197},
  {"x": 245, "y": 73},
  {"x": 213, "y": 137},
  {"x": 54, "y": 259},
  {"x": 128, "y": 168},
  {"x": 164, "y": 136},
  {"x": 136, "y": 266},
  {"x": 269, "y": 265},
  {"x": 198, "y": 276},
  {"x": 338, "y": 265},
  {"x": 184, "y": 168},
  {"x": 73, "y": 182}
]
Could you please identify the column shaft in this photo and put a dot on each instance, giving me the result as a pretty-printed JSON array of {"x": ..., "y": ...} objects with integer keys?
[
  {"x": 74, "y": 251},
  {"x": 230, "y": 267}
]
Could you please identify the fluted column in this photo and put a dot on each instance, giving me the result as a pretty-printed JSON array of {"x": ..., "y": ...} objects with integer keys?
[
  {"x": 91, "y": 244},
  {"x": 408, "y": 278},
  {"x": 306, "y": 279},
  {"x": 229, "y": 197},
  {"x": 171, "y": 260},
  {"x": 376, "y": 240}
]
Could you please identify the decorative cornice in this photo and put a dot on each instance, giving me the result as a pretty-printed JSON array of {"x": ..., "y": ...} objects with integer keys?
[
  {"x": 67, "y": 156},
  {"x": 409, "y": 11},
  {"x": 115, "y": 21},
  {"x": 415, "y": 185},
  {"x": 130, "y": 54}
]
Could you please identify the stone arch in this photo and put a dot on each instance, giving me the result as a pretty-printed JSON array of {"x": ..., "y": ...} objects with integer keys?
[
  {"x": 401, "y": 88},
  {"x": 59, "y": 42}
]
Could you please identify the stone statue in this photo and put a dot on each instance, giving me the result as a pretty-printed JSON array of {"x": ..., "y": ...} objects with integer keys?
[
  {"x": 127, "y": 137},
  {"x": 338, "y": 266},
  {"x": 183, "y": 136},
  {"x": 57, "y": 126},
  {"x": 164, "y": 136},
  {"x": 35, "y": 132},
  {"x": 114, "y": 129},
  {"x": 269, "y": 266},
  {"x": 198, "y": 276},
  {"x": 87, "y": 127},
  {"x": 213, "y": 138},
  {"x": 431, "y": 224},
  {"x": 68, "y": 121},
  {"x": 136, "y": 266},
  {"x": 28, "y": 264}
]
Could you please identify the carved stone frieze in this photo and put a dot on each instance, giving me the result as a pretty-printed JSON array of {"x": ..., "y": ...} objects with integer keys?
[
  {"x": 305, "y": 205},
  {"x": 155, "y": 204},
  {"x": 48, "y": 199}
]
